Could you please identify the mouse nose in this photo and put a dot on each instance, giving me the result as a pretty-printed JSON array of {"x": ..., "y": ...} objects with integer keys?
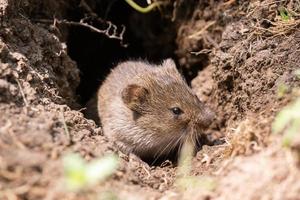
[{"x": 206, "y": 117}]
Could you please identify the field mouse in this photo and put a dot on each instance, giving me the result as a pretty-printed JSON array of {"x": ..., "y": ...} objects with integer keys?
[{"x": 149, "y": 110}]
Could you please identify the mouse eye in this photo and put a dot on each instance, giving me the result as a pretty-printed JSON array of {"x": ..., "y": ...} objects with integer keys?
[{"x": 176, "y": 111}]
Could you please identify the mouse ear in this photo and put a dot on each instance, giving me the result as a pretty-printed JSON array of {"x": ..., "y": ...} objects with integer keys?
[
  {"x": 134, "y": 96},
  {"x": 169, "y": 63}
]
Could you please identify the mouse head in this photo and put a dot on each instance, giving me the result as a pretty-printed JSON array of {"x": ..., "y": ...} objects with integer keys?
[{"x": 163, "y": 104}]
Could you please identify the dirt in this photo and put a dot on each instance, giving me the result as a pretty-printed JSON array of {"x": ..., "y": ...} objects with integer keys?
[{"x": 237, "y": 55}]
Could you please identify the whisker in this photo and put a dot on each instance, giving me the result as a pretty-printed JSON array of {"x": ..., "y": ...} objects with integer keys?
[
  {"x": 197, "y": 139},
  {"x": 172, "y": 147},
  {"x": 194, "y": 139},
  {"x": 181, "y": 144},
  {"x": 175, "y": 144},
  {"x": 159, "y": 153}
]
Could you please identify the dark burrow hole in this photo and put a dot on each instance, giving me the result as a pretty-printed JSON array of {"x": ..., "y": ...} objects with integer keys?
[{"x": 149, "y": 36}]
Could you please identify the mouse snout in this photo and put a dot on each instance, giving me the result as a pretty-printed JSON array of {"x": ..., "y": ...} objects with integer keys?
[{"x": 206, "y": 117}]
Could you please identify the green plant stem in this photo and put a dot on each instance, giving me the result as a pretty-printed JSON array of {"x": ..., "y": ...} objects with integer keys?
[{"x": 141, "y": 9}]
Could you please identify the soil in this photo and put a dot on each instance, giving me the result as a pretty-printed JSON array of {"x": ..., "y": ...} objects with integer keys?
[{"x": 236, "y": 55}]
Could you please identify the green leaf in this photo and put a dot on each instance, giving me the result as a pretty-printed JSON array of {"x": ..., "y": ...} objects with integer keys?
[
  {"x": 282, "y": 89},
  {"x": 99, "y": 170},
  {"x": 285, "y": 16},
  {"x": 79, "y": 174},
  {"x": 74, "y": 167},
  {"x": 291, "y": 133},
  {"x": 286, "y": 116},
  {"x": 282, "y": 120},
  {"x": 287, "y": 122}
]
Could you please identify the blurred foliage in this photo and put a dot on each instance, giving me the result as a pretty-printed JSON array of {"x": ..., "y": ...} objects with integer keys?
[
  {"x": 185, "y": 181},
  {"x": 287, "y": 122},
  {"x": 282, "y": 90},
  {"x": 79, "y": 174}
]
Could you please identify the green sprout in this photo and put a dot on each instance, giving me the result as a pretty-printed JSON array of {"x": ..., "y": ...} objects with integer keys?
[
  {"x": 184, "y": 180},
  {"x": 185, "y": 159},
  {"x": 79, "y": 174},
  {"x": 288, "y": 122},
  {"x": 141, "y": 9},
  {"x": 194, "y": 182},
  {"x": 285, "y": 15}
]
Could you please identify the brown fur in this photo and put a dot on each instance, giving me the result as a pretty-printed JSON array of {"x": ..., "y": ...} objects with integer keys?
[{"x": 135, "y": 107}]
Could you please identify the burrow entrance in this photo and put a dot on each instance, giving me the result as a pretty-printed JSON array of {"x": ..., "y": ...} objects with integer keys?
[
  {"x": 150, "y": 36},
  {"x": 147, "y": 36}
]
